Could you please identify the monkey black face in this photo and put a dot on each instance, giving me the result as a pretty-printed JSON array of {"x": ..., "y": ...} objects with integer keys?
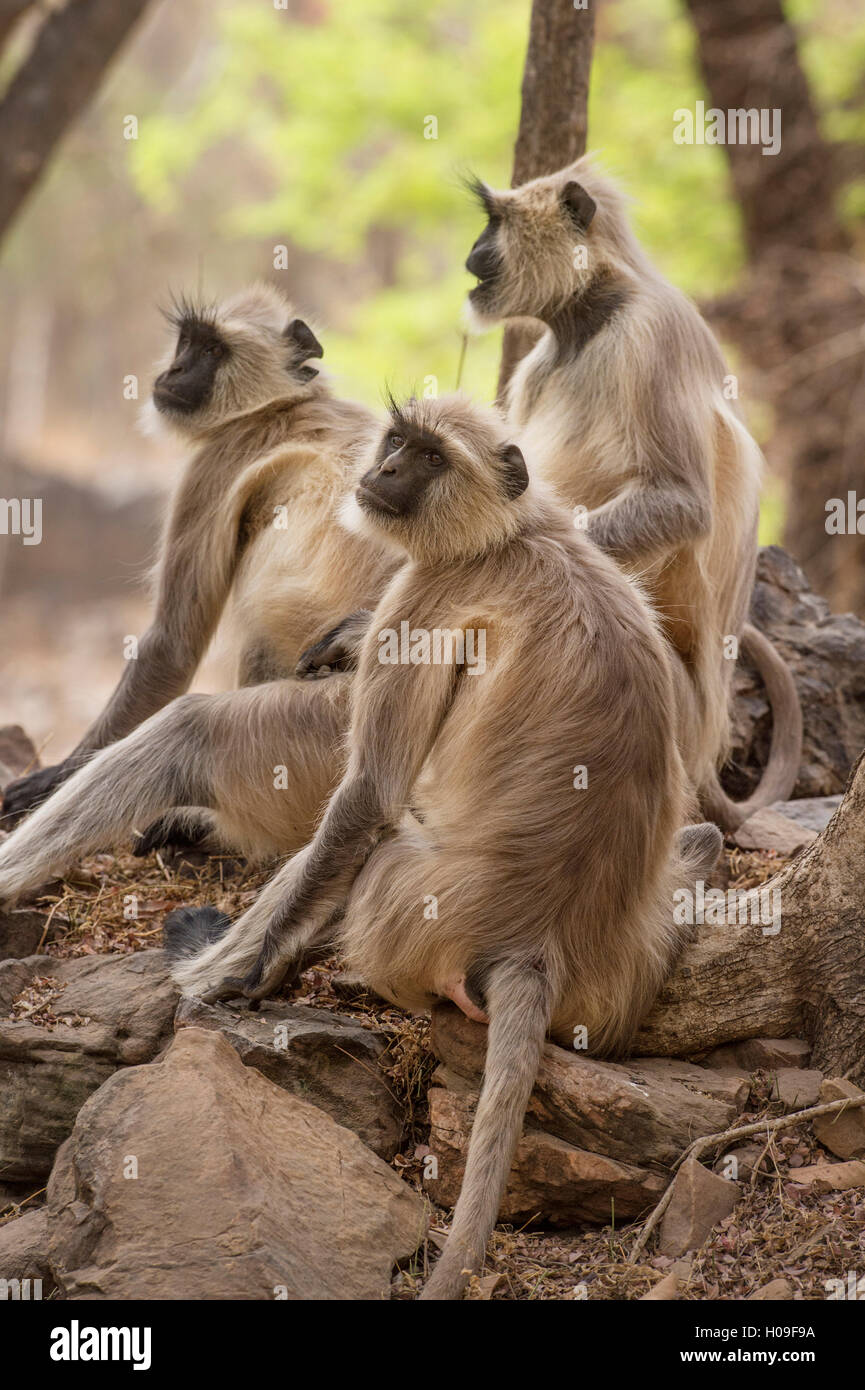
[
  {"x": 187, "y": 385},
  {"x": 408, "y": 463},
  {"x": 485, "y": 260}
]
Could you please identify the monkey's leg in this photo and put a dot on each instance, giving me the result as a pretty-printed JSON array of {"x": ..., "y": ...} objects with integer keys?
[
  {"x": 230, "y": 951},
  {"x": 162, "y": 764},
  {"x": 518, "y": 1000},
  {"x": 263, "y": 759}
]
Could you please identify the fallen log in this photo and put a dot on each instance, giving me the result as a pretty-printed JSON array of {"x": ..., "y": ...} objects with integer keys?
[{"x": 802, "y": 974}]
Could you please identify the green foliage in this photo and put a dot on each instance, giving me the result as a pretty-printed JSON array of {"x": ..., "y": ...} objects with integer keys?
[{"x": 330, "y": 120}]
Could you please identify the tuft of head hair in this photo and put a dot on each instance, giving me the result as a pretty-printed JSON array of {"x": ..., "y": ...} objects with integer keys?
[
  {"x": 264, "y": 353},
  {"x": 533, "y": 236},
  {"x": 471, "y": 499}
]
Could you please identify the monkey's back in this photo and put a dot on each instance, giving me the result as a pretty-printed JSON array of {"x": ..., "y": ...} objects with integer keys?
[{"x": 527, "y": 853}]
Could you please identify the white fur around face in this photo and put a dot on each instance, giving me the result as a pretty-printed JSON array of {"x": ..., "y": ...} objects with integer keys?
[{"x": 353, "y": 518}]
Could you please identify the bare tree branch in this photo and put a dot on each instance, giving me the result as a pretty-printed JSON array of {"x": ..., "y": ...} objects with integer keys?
[
  {"x": 53, "y": 85},
  {"x": 553, "y": 116}
]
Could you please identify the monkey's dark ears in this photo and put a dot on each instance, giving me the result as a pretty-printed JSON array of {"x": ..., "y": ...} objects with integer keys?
[
  {"x": 300, "y": 333},
  {"x": 515, "y": 476},
  {"x": 578, "y": 204}
]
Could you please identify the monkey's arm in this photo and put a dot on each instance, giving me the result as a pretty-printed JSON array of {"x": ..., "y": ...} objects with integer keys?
[
  {"x": 667, "y": 501},
  {"x": 398, "y": 712},
  {"x": 647, "y": 519},
  {"x": 338, "y": 650},
  {"x": 194, "y": 575}
]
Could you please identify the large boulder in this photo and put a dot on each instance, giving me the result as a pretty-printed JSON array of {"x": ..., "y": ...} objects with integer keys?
[
  {"x": 826, "y": 654},
  {"x": 598, "y": 1136},
  {"x": 77, "y": 1021},
  {"x": 323, "y": 1057},
  {"x": 197, "y": 1178}
]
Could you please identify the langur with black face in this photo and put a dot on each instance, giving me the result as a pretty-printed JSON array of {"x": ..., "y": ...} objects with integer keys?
[
  {"x": 554, "y": 893},
  {"x": 622, "y": 406},
  {"x": 251, "y": 533}
]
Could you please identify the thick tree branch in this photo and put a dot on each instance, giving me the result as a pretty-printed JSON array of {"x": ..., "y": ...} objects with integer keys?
[
  {"x": 807, "y": 979},
  {"x": 553, "y": 116},
  {"x": 53, "y": 85}
]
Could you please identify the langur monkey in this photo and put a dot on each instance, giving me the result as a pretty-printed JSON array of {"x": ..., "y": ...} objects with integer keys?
[
  {"x": 251, "y": 530},
  {"x": 621, "y": 407},
  {"x": 554, "y": 893}
]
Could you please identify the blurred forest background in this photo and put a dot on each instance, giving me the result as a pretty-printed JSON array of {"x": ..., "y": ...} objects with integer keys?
[{"x": 258, "y": 128}]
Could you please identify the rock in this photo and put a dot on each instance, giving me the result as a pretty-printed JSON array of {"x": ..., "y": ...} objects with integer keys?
[
  {"x": 747, "y": 1156},
  {"x": 21, "y": 932},
  {"x": 17, "y": 754},
  {"x": 644, "y": 1111},
  {"x": 668, "y": 1288},
  {"x": 549, "y": 1176},
  {"x": 322, "y": 1057},
  {"x": 23, "y": 1250},
  {"x": 842, "y": 1133},
  {"x": 795, "y": 1088},
  {"x": 775, "y": 1291},
  {"x": 831, "y": 1177},
  {"x": 125, "y": 1004},
  {"x": 814, "y": 812},
  {"x": 770, "y": 830},
  {"x": 596, "y": 1134},
  {"x": 243, "y": 1191},
  {"x": 700, "y": 1200},
  {"x": 760, "y": 1054},
  {"x": 488, "y": 1285},
  {"x": 826, "y": 654}
]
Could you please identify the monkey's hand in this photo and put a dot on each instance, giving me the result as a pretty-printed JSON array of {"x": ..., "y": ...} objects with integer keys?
[
  {"x": 29, "y": 792},
  {"x": 338, "y": 650}
]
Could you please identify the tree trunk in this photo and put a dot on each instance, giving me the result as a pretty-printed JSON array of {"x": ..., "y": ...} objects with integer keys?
[
  {"x": 553, "y": 117},
  {"x": 798, "y": 319},
  {"x": 10, "y": 13},
  {"x": 53, "y": 85},
  {"x": 807, "y": 980}
]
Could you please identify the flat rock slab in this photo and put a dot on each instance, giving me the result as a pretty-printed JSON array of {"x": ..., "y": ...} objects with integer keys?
[
  {"x": 243, "y": 1191},
  {"x": 814, "y": 812},
  {"x": 549, "y": 1177},
  {"x": 760, "y": 1054},
  {"x": 796, "y": 1089},
  {"x": 842, "y": 1132},
  {"x": 323, "y": 1057},
  {"x": 638, "y": 1116},
  {"x": 770, "y": 830},
  {"x": 831, "y": 1177},
  {"x": 47, "y": 1071},
  {"x": 700, "y": 1199}
]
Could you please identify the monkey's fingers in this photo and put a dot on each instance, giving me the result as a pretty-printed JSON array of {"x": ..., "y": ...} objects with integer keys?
[{"x": 335, "y": 652}]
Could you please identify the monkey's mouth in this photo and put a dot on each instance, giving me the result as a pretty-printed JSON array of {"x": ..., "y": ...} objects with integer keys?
[
  {"x": 372, "y": 501},
  {"x": 165, "y": 399}
]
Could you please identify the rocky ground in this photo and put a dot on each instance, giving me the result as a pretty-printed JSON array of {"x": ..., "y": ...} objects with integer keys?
[
  {"x": 157, "y": 1148},
  {"x": 94, "y": 1008}
]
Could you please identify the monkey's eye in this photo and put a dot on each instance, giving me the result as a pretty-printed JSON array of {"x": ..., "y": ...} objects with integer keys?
[
  {"x": 215, "y": 350},
  {"x": 432, "y": 457},
  {"x": 396, "y": 441}
]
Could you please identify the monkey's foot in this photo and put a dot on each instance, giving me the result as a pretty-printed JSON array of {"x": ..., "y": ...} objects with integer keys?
[
  {"x": 279, "y": 962},
  {"x": 171, "y": 832},
  {"x": 455, "y": 989}
]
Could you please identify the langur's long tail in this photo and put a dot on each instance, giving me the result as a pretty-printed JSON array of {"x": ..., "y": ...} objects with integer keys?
[
  {"x": 518, "y": 1002},
  {"x": 785, "y": 749}
]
